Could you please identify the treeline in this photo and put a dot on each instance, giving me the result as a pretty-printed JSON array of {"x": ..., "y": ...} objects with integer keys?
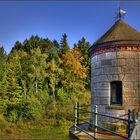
[{"x": 42, "y": 79}]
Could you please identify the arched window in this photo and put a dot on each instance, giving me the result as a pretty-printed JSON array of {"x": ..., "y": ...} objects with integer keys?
[{"x": 116, "y": 93}]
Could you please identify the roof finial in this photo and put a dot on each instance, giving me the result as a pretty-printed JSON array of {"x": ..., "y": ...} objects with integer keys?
[{"x": 120, "y": 14}]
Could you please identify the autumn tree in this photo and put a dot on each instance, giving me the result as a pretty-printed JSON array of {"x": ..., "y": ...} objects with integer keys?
[
  {"x": 83, "y": 47},
  {"x": 75, "y": 73}
]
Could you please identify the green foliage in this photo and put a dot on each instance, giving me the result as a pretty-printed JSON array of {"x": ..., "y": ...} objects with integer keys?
[
  {"x": 32, "y": 109},
  {"x": 40, "y": 81},
  {"x": 3, "y": 123}
]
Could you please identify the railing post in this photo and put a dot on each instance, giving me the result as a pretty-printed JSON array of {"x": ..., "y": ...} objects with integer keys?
[
  {"x": 77, "y": 113},
  {"x": 129, "y": 123},
  {"x": 75, "y": 116},
  {"x": 95, "y": 121}
]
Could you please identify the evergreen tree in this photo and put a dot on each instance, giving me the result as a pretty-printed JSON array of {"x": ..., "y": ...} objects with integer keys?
[
  {"x": 17, "y": 46},
  {"x": 64, "y": 47},
  {"x": 14, "y": 96},
  {"x": 3, "y": 85}
]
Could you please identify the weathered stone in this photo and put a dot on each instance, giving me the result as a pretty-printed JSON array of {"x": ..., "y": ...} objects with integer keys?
[
  {"x": 110, "y": 70},
  {"x": 131, "y": 77},
  {"x": 110, "y": 55},
  {"x": 104, "y": 101},
  {"x": 101, "y": 56},
  {"x": 102, "y": 93},
  {"x": 120, "y": 54},
  {"x": 128, "y": 85},
  {"x": 131, "y": 101},
  {"x": 102, "y": 78},
  {"x": 102, "y": 85},
  {"x": 129, "y": 93},
  {"x": 121, "y": 77},
  {"x": 118, "y": 62},
  {"x": 94, "y": 59},
  {"x": 130, "y": 70},
  {"x": 136, "y": 85},
  {"x": 116, "y": 66},
  {"x": 96, "y": 71},
  {"x": 113, "y": 78},
  {"x": 106, "y": 62},
  {"x": 96, "y": 65}
]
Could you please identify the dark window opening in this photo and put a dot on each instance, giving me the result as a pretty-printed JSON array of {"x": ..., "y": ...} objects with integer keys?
[{"x": 116, "y": 92}]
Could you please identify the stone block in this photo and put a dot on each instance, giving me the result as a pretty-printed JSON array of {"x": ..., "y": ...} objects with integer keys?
[
  {"x": 132, "y": 62},
  {"x": 128, "y": 85},
  {"x": 131, "y": 77},
  {"x": 120, "y": 54},
  {"x": 118, "y": 62},
  {"x": 110, "y": 70},
  {"x": 131, "y": 54},
  {"x": 104, "y": 101},
  {"x": 96, "y": 71},
  {"x": 113, "y": 77},
  {"x": 106, "y": 62},
  {"x": 94, "y": 59},
  {"x": 110, "y": 55},
  {"x": 130, "y": 69},
  {"x": 102, "y": 93},
  {"x": 121, "y": 77},
  {"x": 101, "y": 56},
  {"x": 128, "y": 93},
  {"x": 96, "y": 101},
  {"x": 102, "y": 85},
  {"x": 114, "y": 62},
  {"x": 102, "y": 78},
  {"x": 96, "y": 65},
  {"x": 130, "y": 101},
  {"x": 136, "y": 85}
]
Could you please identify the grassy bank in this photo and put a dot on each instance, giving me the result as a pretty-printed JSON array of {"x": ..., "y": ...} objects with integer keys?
[{"x": 50, "y": 132}]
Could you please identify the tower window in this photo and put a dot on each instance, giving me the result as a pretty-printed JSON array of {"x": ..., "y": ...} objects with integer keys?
[{"x": 116, "y": 92}]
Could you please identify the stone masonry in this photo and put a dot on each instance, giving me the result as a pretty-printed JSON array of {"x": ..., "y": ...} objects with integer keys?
[{"x": 111, "y": 66}]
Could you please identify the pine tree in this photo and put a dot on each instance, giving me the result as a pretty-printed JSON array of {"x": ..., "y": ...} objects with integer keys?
[
  {"x": 14, "y": 96},
  {"x": 64, "y": 47},
  {"x": 3, "y": 84}
]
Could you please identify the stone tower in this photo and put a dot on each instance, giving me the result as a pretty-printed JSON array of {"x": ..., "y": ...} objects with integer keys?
[{"x": 115, "y": 69}]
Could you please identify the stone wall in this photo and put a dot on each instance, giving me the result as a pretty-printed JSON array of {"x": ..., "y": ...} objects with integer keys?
[{"x": 116, "y": 66}]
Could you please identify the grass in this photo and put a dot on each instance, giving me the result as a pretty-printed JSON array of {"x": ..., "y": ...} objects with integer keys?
[{"x": 51, "y": 132}]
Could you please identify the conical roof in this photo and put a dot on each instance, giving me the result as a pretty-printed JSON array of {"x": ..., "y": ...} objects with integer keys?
[{"x": 120, "y": 31}]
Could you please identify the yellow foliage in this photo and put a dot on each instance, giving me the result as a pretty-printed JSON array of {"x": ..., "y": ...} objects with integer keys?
[{"x": 73, "y": 64}]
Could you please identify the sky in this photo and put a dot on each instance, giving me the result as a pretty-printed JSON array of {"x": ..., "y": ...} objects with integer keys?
[{"x": 90, "y": 19}]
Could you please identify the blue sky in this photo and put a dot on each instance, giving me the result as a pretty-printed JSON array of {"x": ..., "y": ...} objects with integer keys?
[{"x": 20, "y": 20}]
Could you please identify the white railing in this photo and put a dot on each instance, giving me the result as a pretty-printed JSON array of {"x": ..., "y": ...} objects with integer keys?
[{"x": 136, "y": 131}]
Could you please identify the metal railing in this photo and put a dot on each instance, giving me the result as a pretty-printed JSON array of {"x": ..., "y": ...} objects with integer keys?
[
  {"x": 136, "y": 131},
  {"x": 95, "y": 124}
]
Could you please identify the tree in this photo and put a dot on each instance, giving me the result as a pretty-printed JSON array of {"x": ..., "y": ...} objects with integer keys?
[
  {"x": 33, "y": 67},
  {"x": 56, "y": 45},
  {"x": 75, "y": 73},
  {"x": 64, "y": 47},
  {"x": 83, "y": 47},
  {"x": 14, "y": 94},
  {"x": 17, "y": 46},
  {"x": 3, "y": 84},
  {"x": 30, "y": 44}
]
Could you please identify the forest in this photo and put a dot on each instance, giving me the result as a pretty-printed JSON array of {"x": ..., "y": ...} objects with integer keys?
[{"x": 40, "y": 82}]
